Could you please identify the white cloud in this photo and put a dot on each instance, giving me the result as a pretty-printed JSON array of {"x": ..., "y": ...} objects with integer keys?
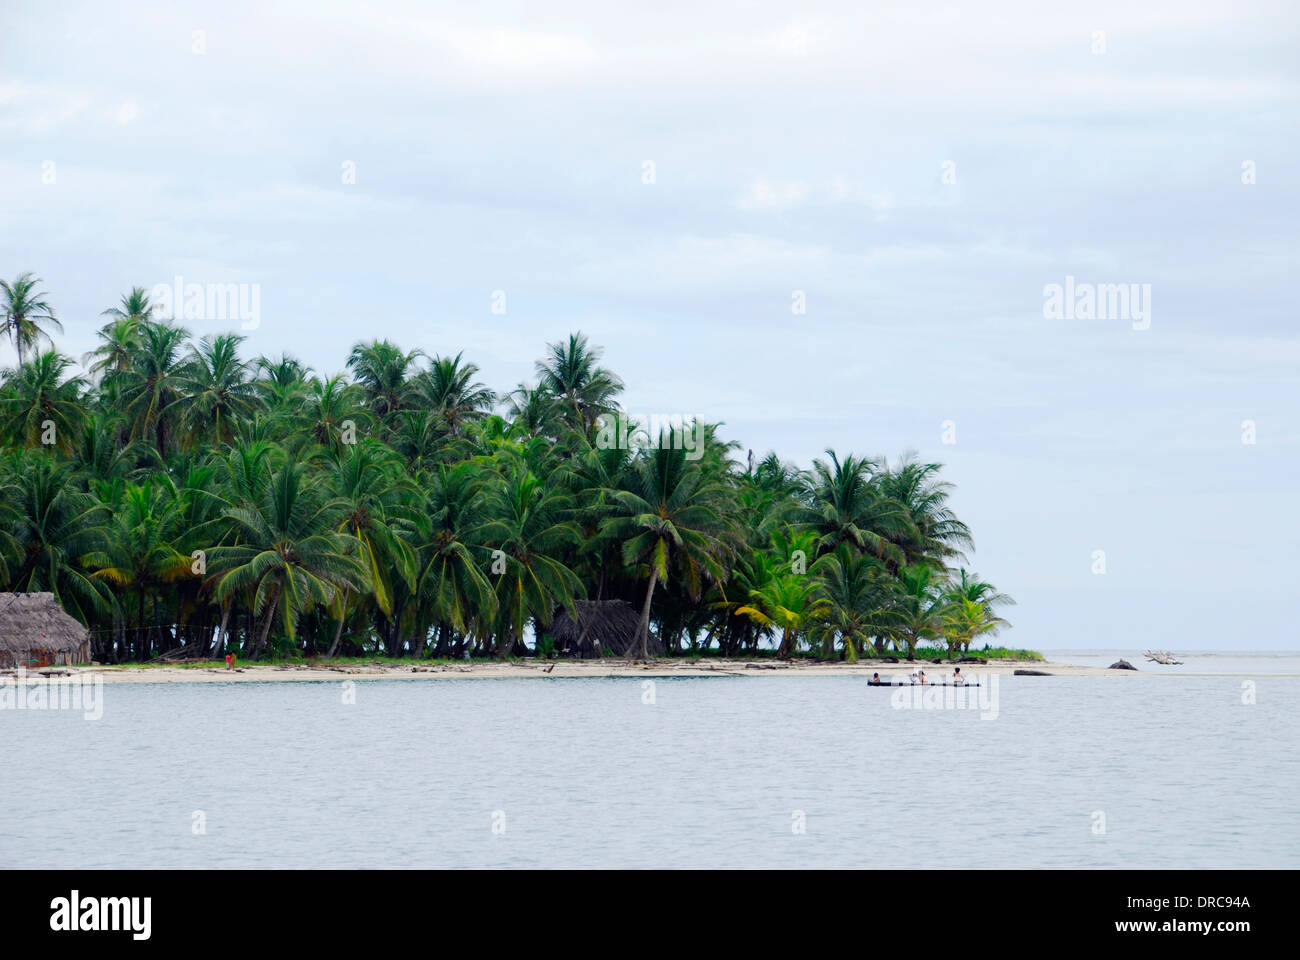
[{"x": 763, "y": 195}]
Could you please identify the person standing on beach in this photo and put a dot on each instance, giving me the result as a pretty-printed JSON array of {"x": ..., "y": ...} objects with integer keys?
[
  {"x": 227, "y": 661},
  {"x": 957, "y": 678}
]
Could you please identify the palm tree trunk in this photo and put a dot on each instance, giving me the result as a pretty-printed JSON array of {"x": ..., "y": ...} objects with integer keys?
[
  {"x": 141, "y": 638},
  {"x": 272, "y": 603},
  {"x": 223, "y": 633},
  {"x": 643, "y": 631},
  {"x": 338, "y": 633}
]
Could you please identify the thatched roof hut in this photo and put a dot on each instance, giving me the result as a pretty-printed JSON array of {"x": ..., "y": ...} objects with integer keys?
[
  {"x": 602, "y": 625},
  {"x": 35, "y": 632}
]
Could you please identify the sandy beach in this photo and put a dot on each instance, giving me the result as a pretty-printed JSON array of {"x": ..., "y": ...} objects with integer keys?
[{"x": 569, "y": 669}]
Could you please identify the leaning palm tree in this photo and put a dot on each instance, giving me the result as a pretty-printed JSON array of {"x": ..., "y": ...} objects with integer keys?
[
  {"x": 670, "y": 512},
  {"x": 24, "y": 314},
  {"x": 570, "y": 372}
]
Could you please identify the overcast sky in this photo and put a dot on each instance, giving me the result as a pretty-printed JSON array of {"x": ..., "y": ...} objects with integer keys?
[{"x": 918, "y": 173}]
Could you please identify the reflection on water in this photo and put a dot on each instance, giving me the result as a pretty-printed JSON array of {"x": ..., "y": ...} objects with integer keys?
[{"x": 716, "y": 772}]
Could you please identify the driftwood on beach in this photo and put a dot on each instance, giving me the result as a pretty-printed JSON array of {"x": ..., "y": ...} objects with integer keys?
[{"x": 1162, "y": 656}]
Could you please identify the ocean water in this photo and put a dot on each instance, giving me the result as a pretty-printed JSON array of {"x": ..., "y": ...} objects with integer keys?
[
  {"x": 740, "y": 772},
  {"x": 1264, "y": 662}
]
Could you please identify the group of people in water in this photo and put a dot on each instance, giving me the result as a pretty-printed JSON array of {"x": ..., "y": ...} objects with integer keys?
[{"x": 919, "y": 677}]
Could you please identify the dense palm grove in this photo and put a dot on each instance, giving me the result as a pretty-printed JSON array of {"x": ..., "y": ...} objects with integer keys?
[{"x": 180, "y": 495}]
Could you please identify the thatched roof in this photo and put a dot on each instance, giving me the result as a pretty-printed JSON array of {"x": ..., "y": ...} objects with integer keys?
[
  {"x": 601, "y": 625},
  {"x": 35, "y": 621}
]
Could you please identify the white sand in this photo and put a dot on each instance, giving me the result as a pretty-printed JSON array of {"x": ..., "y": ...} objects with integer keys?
[{"x": 216, "y": 673}]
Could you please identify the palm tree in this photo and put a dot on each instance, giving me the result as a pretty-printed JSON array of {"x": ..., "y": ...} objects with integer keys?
[
  {"x": 383, "y": 370},
  {"x": 152, "y": 384},
  {"x": 290, "y": 556},
  {"x": 42, "y": 407},
  {"x": 119, "y": 339},
  {"x": 24, "y": 313},
  {"x": 331, "y": 411},
  {"x": 593, "y": 475},
  {"x": 281, "y": 382},
  {"x": 55, "y": 527},
  {"x": 215, "y": 391},
  {"x": 570, "y": 373},
  {"x": 787, "y": 602},
  {"x": 138, "y": 555},
  {"x": 769, "y": 493},
  {"x": 452, "y": 583},
  {"x": 372, "y": 496},
  {"x": 919, "y": 606},
  {"x": 526, "y": 536},
  {"x": 973, "y": 606},
  {"x": 134, "y": 306},
  {"x": 857, "y": 591},
  {"x": 101, "y": 455},
  {"x": 847, "y": 505},
  {"x": 449, "y": 390},
  {"x": 532, "y": 410},
  {"x": 670, "y": 512},
  {"x": 933, "y": 533}
]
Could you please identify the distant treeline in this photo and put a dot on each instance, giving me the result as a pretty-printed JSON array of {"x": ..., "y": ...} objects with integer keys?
[{"x": 182, "y": 495}]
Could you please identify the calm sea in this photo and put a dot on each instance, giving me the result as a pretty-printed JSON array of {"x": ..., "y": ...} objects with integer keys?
[
  {"x": 1264, "y": 662},
  {"x": 715, "y": 772}
]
